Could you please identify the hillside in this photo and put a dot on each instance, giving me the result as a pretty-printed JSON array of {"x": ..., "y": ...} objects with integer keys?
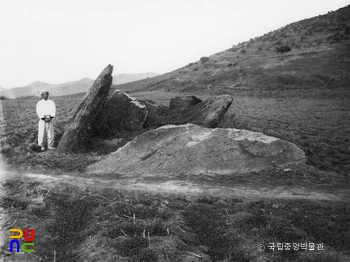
[
  {"x": 119, "y": 79},
  {"x": 318, "y": 64}
]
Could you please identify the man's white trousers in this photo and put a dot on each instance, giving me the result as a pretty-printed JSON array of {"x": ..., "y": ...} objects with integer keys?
[{"x": 45, "y": 132}]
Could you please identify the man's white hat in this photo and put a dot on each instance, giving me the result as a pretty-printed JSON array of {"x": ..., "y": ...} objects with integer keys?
[{"x": 42, "y": 91}]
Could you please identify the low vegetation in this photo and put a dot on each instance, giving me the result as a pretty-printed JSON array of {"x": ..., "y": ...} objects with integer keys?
[
  {"x": 319, "y": 46},
  {"x": 283, "y": 49},
  {"x": 318, "y": 126},
  {"x": 204, "y": 59},
  {"x": 302, "y": 99},
  {"x": 108, "y": 225},
  {"x": 104, "y": 224}
]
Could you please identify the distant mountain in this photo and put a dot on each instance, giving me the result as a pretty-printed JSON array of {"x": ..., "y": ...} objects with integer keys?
[
  {"x": 35, "y": 88},
  {"x": 126, "y": 78},
  {"x": 69, "y": 88},
  {"x": 318, "y": 64},
  {"x": 2, "y": 89}
]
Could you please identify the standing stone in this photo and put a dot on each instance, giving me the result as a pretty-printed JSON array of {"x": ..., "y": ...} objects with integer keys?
[
  {"x": 207, "y": 113},
  {"x": 122, "y": 112},
  {"x": 87, "y": 111}
]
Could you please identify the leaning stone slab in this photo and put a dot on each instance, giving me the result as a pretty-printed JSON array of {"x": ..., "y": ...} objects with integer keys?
[
  {"x": 207, "y": 113},
  {"x": 172, "y": 151},
  {"x": 87, "y": 112}
]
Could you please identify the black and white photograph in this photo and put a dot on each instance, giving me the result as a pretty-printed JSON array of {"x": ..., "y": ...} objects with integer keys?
[{"x": 174, "y": 131}]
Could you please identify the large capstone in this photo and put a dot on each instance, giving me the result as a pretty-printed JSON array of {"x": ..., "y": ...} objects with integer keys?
[{"x": 172, "y": 151}]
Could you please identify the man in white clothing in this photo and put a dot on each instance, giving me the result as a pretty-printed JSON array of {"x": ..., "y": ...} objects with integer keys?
[{"x": 46, "y": 111}]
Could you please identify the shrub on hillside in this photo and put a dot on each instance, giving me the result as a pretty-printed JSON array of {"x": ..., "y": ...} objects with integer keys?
[
  {"x": 232, "y": 49},
  {"x": 347, "y": 30},
  {"x": 283, "y": 49},
  {"x": 278, "y": 42},
  {"x": 335, "y": 41},
  {"x": 204, "y": 59}
]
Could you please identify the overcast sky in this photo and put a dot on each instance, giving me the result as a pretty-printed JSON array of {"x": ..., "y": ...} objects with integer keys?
[{"x": 57, "y": 41}]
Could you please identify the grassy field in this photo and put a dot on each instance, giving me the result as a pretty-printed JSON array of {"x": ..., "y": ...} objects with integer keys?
[
  {"x": 107, "y": 225},
  {"x": 318, "y": 126},
  {"x": 75, "y": 224}
]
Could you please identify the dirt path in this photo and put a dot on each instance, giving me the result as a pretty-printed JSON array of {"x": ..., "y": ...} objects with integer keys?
[{"x": 189, "y": 188}]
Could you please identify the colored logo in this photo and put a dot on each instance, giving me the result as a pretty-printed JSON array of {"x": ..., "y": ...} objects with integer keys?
[{"x": 16, "y": 234}]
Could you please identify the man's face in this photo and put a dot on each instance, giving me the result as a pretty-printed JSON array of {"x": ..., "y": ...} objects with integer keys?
[{"x": 45, "y": 95}]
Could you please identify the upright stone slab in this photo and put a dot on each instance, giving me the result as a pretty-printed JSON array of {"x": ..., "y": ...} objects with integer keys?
[
  {"x": 207, "y": 113},
  {"x": 87, "y": 111}
]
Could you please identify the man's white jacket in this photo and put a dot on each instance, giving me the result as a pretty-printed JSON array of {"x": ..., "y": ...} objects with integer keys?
[{"x": 45, "y": 107}]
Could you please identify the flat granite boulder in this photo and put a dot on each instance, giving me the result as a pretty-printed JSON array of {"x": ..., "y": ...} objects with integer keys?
[{"x": 171, "y": 151}]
